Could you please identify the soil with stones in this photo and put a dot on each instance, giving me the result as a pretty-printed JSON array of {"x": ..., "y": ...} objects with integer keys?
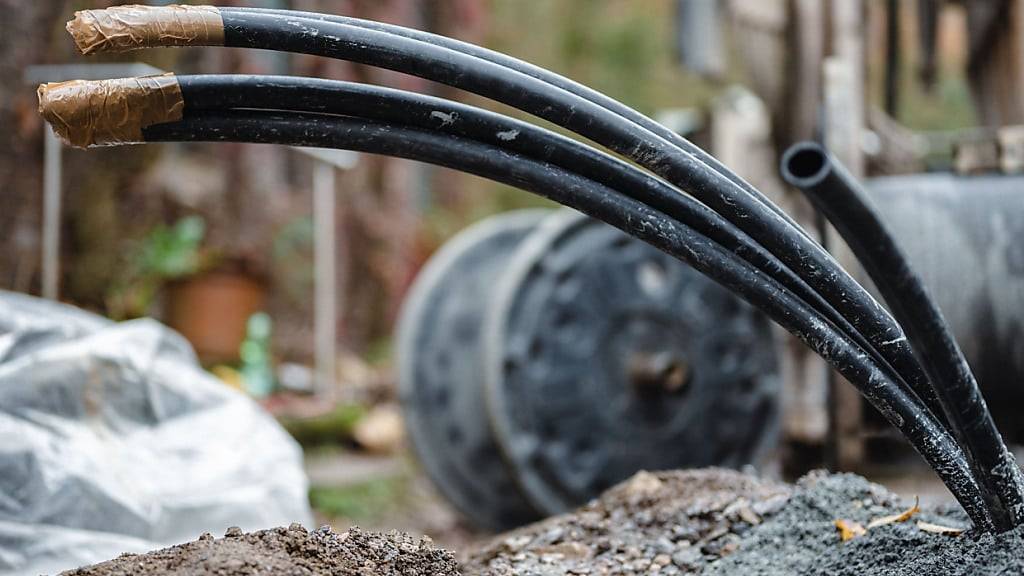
[
  {"x": 291, "y": 551},
  {"x": 667, "y": 523},
  {"x": 720, "y": 522}
]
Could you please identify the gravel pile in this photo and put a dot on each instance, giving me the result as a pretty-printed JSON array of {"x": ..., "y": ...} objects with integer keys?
[
  {"x": 724, "y": 523},
  {"x": 802, "y": 537},
  {"x": 667, "y": 523}
]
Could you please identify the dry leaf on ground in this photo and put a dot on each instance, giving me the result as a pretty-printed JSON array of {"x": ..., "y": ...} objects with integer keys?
[
  {"x": 848, "y": 529},
  {"x": 938, "y": 529},
  {"x": 902, "y": 517}
]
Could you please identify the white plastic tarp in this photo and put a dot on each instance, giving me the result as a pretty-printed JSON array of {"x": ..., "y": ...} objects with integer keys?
[{"x": 113, "y": 439}]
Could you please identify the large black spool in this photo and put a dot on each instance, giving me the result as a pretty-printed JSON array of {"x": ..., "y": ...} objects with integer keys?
[
  {"x": 440, "y": 375},
  {"x": 542, "y": 361},
  {"x": 965, "y": 236},
  {"x": 606, "y": 356}
]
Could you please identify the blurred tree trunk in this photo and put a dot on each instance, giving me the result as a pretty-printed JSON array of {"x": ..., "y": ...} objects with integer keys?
[
  {"x": 996, "y": 60},
  {"x": 26, "y": 31}
]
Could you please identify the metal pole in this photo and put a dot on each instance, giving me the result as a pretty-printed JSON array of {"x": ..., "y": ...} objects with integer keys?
[
  {"x": 51, "y": 214},
  {"x": 326, "y": 289}
]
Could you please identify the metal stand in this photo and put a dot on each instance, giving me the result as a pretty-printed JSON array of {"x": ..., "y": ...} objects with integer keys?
[{"x": 327, "y": 298}]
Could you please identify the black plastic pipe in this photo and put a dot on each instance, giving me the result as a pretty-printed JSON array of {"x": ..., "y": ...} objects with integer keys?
[
  {"x": 246, "y": 29},
  {"x": 541, "y": 74},
  {"x": 633, "y": 217},
  {"x": 313, "y": 95},
  {"x": 839, "y": 197},
  {"x": 750, "y": 212}
]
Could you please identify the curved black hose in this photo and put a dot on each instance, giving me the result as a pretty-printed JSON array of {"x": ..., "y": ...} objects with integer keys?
[
  {"x": 296, "y": 94},
  {"x": 839, "y": 197},
  {"x": 806, "y": 258},
  {"x": 543, "y": 75},
  {"x": 631, "y": 216},
  {"x": 655, "y": 153}
]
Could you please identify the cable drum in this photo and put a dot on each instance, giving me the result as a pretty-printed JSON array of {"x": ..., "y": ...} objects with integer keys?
[
  {"x": 606, "y": 356},
  {"x": 966, "y": 237},
  {"x": 440, "y": 376}
]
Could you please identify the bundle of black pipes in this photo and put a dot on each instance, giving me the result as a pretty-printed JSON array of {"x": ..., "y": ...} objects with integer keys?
[{"x": 676, "y": 197}]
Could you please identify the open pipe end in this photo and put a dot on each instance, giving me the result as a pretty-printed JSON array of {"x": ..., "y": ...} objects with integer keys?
[
  {"x": 131, "y": 27},
  {"x": 87, "y": 113},
  {"x": 805, "y": 165}
]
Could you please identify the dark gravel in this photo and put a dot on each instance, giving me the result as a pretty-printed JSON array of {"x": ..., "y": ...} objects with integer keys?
[
  {"x": 724, "y": 523},
  {"x": 802, "y": 538}
]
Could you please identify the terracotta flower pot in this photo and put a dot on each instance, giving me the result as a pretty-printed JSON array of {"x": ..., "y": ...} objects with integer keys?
[{"x": 211, "y": 311}]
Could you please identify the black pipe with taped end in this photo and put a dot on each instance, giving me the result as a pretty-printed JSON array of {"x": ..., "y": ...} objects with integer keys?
[
  {"x": 839, "y": 197},
  {"x": 83, "y": 111},
  {"x": 747, "y": 211},
  {"x": 750, "y": 212}
]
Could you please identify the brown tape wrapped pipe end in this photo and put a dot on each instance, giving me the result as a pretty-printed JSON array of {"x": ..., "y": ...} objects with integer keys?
[
  {"x": 131, "y": 27},
  {"x": 86, "y": 113}
]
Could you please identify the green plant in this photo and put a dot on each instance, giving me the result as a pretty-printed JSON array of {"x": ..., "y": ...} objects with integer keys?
[
  {"x": 173, "y": 252},
  {"x": 332, "y": 428},
  {"x": 359, "y": 502},
  {"x": 167, "y": 253}
]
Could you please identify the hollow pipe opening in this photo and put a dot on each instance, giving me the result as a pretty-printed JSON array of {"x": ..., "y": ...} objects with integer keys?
[{"x": 805, "y": 164}]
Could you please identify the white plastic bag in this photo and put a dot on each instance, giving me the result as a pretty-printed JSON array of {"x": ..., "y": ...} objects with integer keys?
[{"x": 115, "y": 440}]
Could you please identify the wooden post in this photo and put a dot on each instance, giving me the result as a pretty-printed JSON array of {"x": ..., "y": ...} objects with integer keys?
[
  {"x": 785, "y": 36},
  {"x": 844, "y": 121},
  {"x": 807, "y": 50},
  {"x": 996, "y": 66}
]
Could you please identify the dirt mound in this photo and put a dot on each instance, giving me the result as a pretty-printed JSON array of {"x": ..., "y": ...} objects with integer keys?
[
  {"x": 665, "y": 522},
  {"x": 291, "y": 551}
]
